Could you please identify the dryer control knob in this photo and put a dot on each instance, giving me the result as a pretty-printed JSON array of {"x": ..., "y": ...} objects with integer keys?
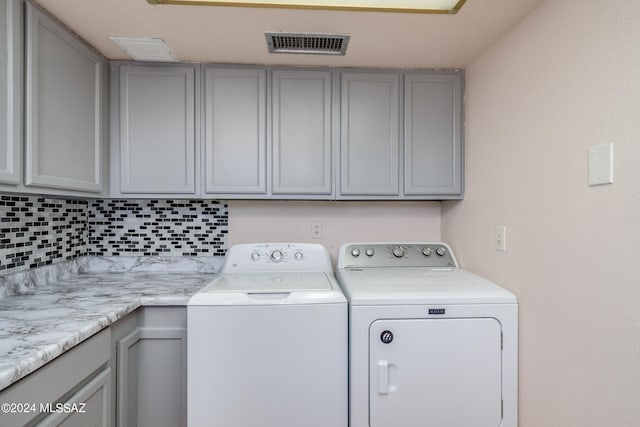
[
  {"x": 276, "y": 256},
  {"x": 398, "y": 252},
  {"x": 427, "y": 251},
  {"x": 298, "y": 256},
  {"x": 441, "y": 251},
  {"x": 355, "y": 252},
  {"x": 255, "y": 256},
  {"x": 369, "y": 252}
]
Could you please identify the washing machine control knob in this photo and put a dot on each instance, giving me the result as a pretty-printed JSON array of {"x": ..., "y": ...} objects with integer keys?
[
  {"x": 441, "y": 251},
  {"x": 398, "y": 252},
  {"x": 355, "y": 252},
  {"x": 276, "y": 256},
  {"x": 427, "y": 251},
  {"x": 298, "y": 256},
  {"x": 369, "y": 252},
  {"x": 255, "y": 256}
]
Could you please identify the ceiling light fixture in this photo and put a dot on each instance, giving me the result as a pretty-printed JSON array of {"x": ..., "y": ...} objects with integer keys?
[{"x": 403, "y": 6}]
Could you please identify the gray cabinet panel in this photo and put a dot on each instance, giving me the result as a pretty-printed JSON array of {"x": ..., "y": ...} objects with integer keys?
[
  {"x": 157, "y": 129},
  {"x": 82, "y": 372},
  {"x": 64, "y": 92},
  {"x": 301, "y": 117},
  {"x": 152, "y": 370},
  {"x": 90, "y": 406},
  {"x": 10, "y": 90},
  {"x": 432, "y": 156},
  {"x": 235, "y": 131},
  {"x": 369, "y": 136}
]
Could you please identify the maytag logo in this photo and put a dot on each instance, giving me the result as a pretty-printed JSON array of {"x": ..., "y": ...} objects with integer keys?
[{"x": 437, "y": 311}]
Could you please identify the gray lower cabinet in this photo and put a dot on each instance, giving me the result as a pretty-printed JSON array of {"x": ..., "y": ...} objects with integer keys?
[
  {"x": 10, "y": 90},
  {"x": 64, "y": 106},
  {"x": 301, "y": 131},
  {"x": 432, "y": 134},
  {"x": 73, "y": 390},
  {"x": 369, "y": 134},
  {"x": 152, "y": 369},
  {"x": 153, "y": 129},
  {"x": 235, "y": 148}
]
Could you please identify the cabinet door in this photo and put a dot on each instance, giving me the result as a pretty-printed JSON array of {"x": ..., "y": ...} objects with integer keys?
[
  {"x": 369, "y": 135},
  {"x": 10, "y": 91},
  {"x": 90, "y": 406},
  {"x": 81, "y": 375},
  {"x": 301, "y": 102},
  {"x": 433, "y": 148},
  {"x": 152, "y": 371},
  {"x": 157, "y": 129},
  {"x": 235, "y": 131},
  {"x": 64, "y": 93}
]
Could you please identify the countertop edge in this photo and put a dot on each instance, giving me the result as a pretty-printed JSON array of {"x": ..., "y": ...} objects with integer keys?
[{"x": 44, "y": 355}]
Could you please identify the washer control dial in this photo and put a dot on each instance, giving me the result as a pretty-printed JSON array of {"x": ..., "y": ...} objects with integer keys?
[
  {"x": 255, "y": 256},
  {"x": 298, "y": 256},
  {"x": 276, "y": 256},
  {"x": 441, "y": 251},
  {"x": 398, "y": 252},
  {"x": 369, "y": 252},
  {"x": 355, "y": 252},
  {"x": 427, "y": 251}
]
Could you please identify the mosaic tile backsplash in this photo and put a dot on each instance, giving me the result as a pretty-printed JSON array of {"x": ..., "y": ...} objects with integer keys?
[
  {"x": 37, "y": 231},
  {"x": 157, "y": 227}
]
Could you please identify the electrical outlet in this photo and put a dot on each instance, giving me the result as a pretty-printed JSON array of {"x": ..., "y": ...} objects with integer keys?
[
  {"x": 316, "y": 230},
  {"x": 501, "y": 238}
]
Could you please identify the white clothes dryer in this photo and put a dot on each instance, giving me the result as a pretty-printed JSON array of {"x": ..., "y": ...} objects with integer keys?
[
  {"x": 267, "y": 341},
  {"x": 429, "y": 343}
]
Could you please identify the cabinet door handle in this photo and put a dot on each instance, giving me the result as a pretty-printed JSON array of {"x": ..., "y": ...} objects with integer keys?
[{"x": 383, "y": 377}]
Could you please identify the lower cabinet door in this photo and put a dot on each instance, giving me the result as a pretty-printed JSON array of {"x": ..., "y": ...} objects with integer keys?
[
  {"x": 89, "y": 407},
  {"x": 152, "y": 368}
]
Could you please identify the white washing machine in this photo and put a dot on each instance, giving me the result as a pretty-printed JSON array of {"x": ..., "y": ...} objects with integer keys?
[
  {"x": 267, "y": 341},
  {"x": 429, "y": 343}
]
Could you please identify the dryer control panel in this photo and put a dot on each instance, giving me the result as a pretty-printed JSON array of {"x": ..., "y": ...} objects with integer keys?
[{"x": 396, "y": 254}]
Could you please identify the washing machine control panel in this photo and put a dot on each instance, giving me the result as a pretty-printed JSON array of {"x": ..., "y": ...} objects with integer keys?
[
  {"x": 277, "y": 257},
  {"x": 396, "y": 254}
]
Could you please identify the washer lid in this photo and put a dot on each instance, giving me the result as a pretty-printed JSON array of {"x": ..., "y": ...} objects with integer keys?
[
  {"x": 383, "y": 286},
  {"x": 261, "y": 288}
]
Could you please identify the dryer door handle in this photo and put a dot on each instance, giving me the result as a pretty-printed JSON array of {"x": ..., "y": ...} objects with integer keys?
[{"x": 383, "y": 377}]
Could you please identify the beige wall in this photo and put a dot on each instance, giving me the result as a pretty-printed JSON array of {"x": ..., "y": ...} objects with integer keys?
[
  {"x": 273, "y": 221},
  {"x": 564, "y": 79}
]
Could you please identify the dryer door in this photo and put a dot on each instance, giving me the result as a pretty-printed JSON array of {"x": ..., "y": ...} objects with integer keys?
[{"x": 435, "y": 372}]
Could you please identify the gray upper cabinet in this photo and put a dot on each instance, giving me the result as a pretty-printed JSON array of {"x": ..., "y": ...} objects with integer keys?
[
  {"x": 235, "y": 131},
  {"x": 301, "y": 131},
  {"x": 64, "y": 107},
  {"x": 432, "y": 134},
  {"x": 241, "y": 132},
  {"x": 155, "y": 142},
  {"x": 369, "y": 134},
  {"x": 10, "y": 90}
]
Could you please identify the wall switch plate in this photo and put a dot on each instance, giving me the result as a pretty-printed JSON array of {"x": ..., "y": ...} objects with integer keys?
[
  {"x": 601, "y": 164},
  {"x": 316, "y": 230},
  {"x": 501, "y": 238}
]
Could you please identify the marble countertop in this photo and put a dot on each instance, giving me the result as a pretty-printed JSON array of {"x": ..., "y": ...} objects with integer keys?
[{"x": 45, "y": 313}]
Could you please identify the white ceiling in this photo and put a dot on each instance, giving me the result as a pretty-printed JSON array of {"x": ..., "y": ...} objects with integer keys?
[{"x": 236, "y": 35}]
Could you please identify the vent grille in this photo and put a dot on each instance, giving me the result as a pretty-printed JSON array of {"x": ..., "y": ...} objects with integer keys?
[{"x": 307, "y": 43}]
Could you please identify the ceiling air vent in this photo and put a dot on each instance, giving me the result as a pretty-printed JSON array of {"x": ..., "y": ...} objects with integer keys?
[{"x": 307, "y": 43}]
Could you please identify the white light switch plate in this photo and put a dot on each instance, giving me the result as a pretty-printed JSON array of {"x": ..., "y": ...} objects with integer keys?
[
  {"x": 501, "y": 238},
  {"x": 601, "y": 164}
]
